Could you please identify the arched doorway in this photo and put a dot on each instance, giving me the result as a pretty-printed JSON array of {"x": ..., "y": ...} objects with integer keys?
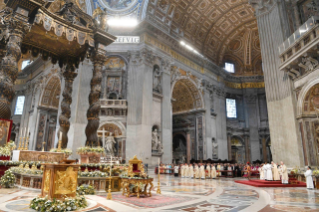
[
  {"x": 188, "y": 115},
  {"x": 48, "y": 112},
  {"x": 237, "y": 149},
  {"x": 179, "y": 149}
]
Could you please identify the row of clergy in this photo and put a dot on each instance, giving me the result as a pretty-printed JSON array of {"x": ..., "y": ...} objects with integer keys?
[
  {"x": 197, "y": 171},
  {"x": 273, "y": 172}
]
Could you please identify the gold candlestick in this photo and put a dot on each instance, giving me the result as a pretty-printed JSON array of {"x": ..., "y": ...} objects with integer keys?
[
  {"x": 26, "y": 144},
  {"x": 43, "y": 143},
  {"x": 19, "y": 148},
  {"x": 109, "y": 194},
  {"x": 59, "y": 146},
  {"x": 23, "y": 143},
  {"x": 158, "y": 191}
]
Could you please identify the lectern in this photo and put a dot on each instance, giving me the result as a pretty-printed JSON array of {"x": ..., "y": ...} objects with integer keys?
[{"x": 60, "y": 180}]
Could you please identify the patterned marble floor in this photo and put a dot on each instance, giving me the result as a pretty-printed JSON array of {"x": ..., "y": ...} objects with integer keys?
[{"x": 182, "y": 194}]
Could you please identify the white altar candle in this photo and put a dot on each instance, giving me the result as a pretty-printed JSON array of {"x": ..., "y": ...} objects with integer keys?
[
  {"x": 60, "y": 136},
  {"x": 158, "y": 161},
  {"x": 111, "y": 167},
  {"x": 28, "y": 132},
  {"x": 25, "y": 132}
]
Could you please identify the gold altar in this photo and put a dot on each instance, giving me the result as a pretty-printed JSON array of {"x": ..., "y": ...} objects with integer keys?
[
  {"x": 138, "y": 187},
  {"x": 60, "y": 180},
  {"x": 26, "y": 155}
]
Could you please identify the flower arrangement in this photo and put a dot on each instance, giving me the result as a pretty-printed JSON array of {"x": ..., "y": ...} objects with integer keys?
[
  {"x": 8, "y": 179},
  {"x": 18, "y": 170},
  {"x": 316, "y": 172},
  {"x": 86, "y": 150},
  {"x": 295, "y": 170},
  {"x": 92, "y": 174},
  {"x": 68, "y": 204},
  {"x": 85, "y": 190},
  {"x": 67, "y": 152}
]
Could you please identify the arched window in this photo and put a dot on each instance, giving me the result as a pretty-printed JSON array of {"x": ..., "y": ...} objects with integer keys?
[
  {"x": 19, "y": 105},
  {"x": 230, "y": 67},
  {"x": 231, "y": 109}
]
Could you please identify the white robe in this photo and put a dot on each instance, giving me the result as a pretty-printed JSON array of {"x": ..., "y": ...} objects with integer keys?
[
  {"x": 190, "y": 172},
  {"x": 308, "y": 175},
  {"x": 182, "y": 171},
  {"x": 269, "y": 172},
  {"x": 213, "y": 172},
  {"x": 261, "y": 172},
  {"x": 265, "y": 171}
]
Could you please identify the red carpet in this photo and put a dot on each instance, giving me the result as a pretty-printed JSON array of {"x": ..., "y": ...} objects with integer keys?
[{"x": 264, "y": 183}]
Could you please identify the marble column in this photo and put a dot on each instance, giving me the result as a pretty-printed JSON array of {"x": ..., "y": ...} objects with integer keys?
[
  {"x": 167, "y": 119},
  {"x": 69, "y": 76},
  {"x": 140, "y": 100},
  {"x": 264, "y": 148},
  {"x": 296, "y": 14},
  {"x": 93, "y": 112},
  {"x": 280, "y": 99},
  {"x": 17, "y": 29},
  {"x": 247, "y": 149},
  {"x": 189, "y": 146},
  {"x": 229, "y": 145}
]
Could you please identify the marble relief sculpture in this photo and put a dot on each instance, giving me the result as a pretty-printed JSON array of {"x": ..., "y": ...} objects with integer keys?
[
  {"x": 109, "y": 145},
  {"x": 156, "y": 142},
  {"x": 157, "y": 80}
]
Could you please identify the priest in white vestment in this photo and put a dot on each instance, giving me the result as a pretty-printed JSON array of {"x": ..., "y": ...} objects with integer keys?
[
  {"x": 269, "y": 172},
  {"x": 186, "y": 170},
  {"x": 202, "y": 172},
  {"x": 308, "y": 175},
  {"x": 218, "y": 169},
  {"x": 275, "y": 171},
  {"x": 190, "y": 171},
  {"x": 208, "y": 170},
  {"x": 196, "y": 171},
  {"x": 261, "y": 171},
  {"x": 265, "y": 171},
  {"x": 284, "y": 173},
  {"x": 213, "y": 173},
  {"x": 183, "y": 170}
]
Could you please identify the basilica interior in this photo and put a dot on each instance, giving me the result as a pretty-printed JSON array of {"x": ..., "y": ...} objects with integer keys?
[{"x": 99, "y": 93}]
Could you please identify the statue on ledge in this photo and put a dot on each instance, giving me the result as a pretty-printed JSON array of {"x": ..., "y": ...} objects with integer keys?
[
  {"x": 109, "y": 145},
  {"x": 156, "y": 143}
]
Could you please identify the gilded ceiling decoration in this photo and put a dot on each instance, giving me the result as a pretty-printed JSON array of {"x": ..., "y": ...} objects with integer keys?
[
  {"x": 186, "y": 96},
  {"x": 311, "y": 101},
  {"x": 222, "y": 30},
  {"x": 51, "y": 93}
]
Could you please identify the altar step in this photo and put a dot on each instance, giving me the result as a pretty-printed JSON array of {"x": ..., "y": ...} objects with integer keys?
[{"x": 265, "y": 183}]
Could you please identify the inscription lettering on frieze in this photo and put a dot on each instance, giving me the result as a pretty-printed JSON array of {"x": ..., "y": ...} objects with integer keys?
[{"x": 127, "y": 39}]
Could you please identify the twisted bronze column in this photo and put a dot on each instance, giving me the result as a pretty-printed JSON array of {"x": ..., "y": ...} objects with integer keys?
[
  {"x": 94, "y": 100},
  {"x": 69, "y": 76},
  {"x": 13, "y": 30}
]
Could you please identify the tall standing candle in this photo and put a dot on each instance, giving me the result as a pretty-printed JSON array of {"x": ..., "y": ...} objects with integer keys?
[
  {"x": 60, "y": 136},
  {"x": 25, "y": 132},
  {"x": 111, "y": 167}
]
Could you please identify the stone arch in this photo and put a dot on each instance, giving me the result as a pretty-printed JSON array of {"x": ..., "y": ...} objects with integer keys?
[
  {"x": 117, "y": 128},
  {"x": 50, "y": 93},
  {"x": 187, "y": 95},
  {"x": 304, "y": 105}
]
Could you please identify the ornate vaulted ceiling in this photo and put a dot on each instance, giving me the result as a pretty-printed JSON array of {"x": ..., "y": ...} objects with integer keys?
[{"x": 221, "y": 30}]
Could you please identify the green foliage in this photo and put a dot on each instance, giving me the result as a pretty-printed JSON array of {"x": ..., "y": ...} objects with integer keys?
[{"x": 8, "y": 179}]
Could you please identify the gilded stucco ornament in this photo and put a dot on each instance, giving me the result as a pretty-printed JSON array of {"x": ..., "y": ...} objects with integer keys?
[
  {"x": 262, "y": 6},
  {"x": 100, "y": 19}
]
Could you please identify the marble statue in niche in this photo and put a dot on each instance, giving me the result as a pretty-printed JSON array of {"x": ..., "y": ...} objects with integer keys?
[
  {"x": 156, "y": 142},
  {"x": 157, "y": 79},
  {"x": 109, "y": 145},
  {"x": 215, "y": 148}
]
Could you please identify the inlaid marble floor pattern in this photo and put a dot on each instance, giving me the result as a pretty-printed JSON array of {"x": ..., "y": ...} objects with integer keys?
[{"x": 189, "y": 195}]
